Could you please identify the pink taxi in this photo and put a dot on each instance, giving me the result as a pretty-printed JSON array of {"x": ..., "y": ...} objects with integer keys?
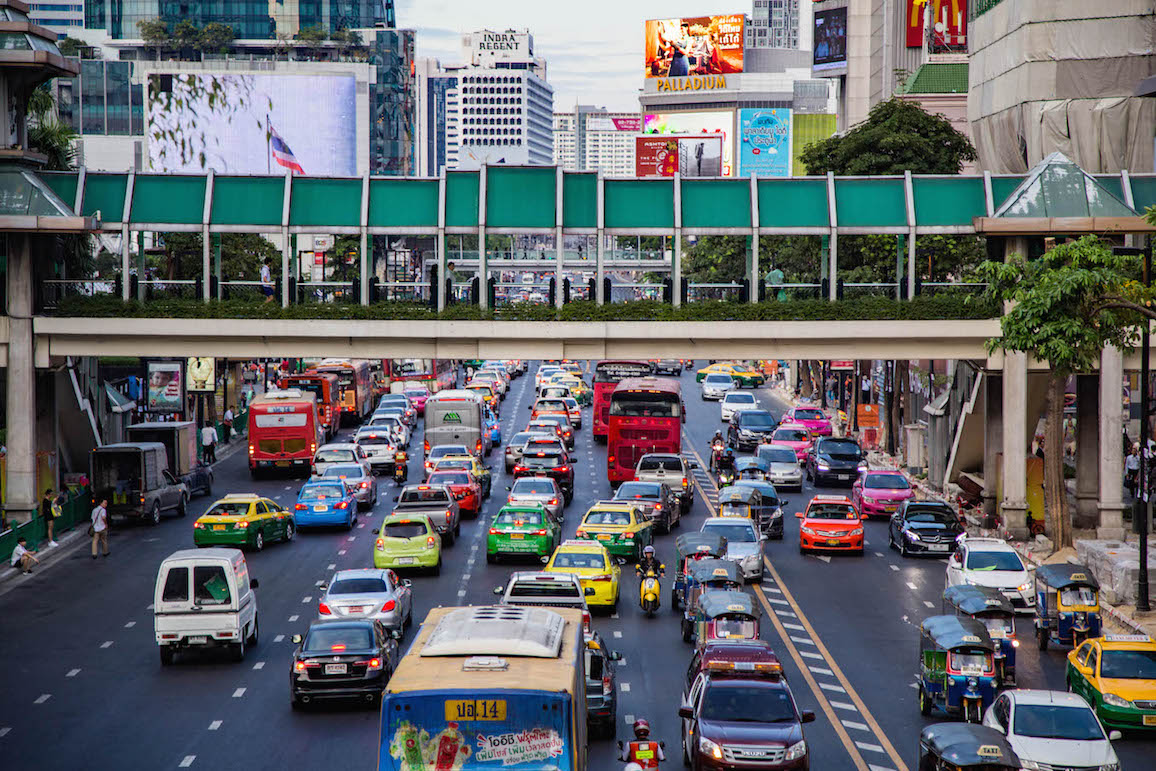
[
  {"x": 417, "y": 395},
  {"x": 880, "y": 493},
  {"x": 796, "y": 436},
  {"x": 813, "y": 418}
]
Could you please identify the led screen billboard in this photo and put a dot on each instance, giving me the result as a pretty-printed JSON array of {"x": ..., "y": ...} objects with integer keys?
[
  {"x": 693, "y": 156},
  {"x": 765, "y": 142},
  {"x": 253, "y": 124},
  {"x": 720, "y": 123},
  {"x": 830, "y": 39},
  {"x": 697, "y": 45},
  {"x": 631, "y": 125}
]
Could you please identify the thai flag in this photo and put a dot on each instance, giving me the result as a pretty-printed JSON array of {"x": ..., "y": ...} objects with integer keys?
[{"x": 281, "y": 152}]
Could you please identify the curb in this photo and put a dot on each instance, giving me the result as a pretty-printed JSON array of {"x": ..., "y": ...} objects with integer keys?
[{"x": 70, "y": 542}]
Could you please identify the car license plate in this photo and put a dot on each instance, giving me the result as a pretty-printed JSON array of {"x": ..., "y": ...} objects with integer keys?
[
  {"x": 320, "y": 508},
  {"x": 218, "y": 527},
  {"x": 937, "y": 546},
  {"x": 336, "y": 669},
  {"x": 890, "y": 508},
  {"x": 605, "y": 537},
  {"x": 517, "y": 536},
  {"x": 198, "y": 640},
  {"x": 405, "y": 560},
  {"x": 844, "y": 476},
  {"x": 1149, "y": 719},
  {"x": 355, "y": 609},
  {"x": 283, "y": 463},
  {"x": 479, "y": 709},
  {"x": 832, "y": 541}
]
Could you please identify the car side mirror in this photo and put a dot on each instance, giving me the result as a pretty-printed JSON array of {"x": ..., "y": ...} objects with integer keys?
[
  {"x": 693, "y": 464},
  {"x": 588, "y": 591},
  {"x": 254, "y": 583},
  {"x": 377, "y": 531},
  {"x": 620, "y": 560},
  {"x": 807, "y": 716},
  {"x": 396, "y": 498},
  {"x": 763, "y": 537},
  {"x": 509, "y": 487},
  {"x": 864, "y": 515},
  {"x": 686, "y": 712},
  {"x": 798, "y": 515},
  {"x": 1115, "y": 736},
  {"x": 396, "y": 634},
  {"x": 406, "y": 583},
  {"x": 323, "y": 587},
  {"x": 498, "y": 590},
  {"x": 296, "y": 639},
  {"x": 615, "y": 656}
]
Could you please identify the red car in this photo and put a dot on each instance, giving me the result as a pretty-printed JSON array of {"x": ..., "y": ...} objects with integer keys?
[
  {"x": 796, "y": 436},
  {"x": 813, "y": 418},
  {"x": 881, "y": 493},
  {"x": 465, "y": 489},
  {"x": 417, "y": 396},
  {"x": 831, "y": 523}
]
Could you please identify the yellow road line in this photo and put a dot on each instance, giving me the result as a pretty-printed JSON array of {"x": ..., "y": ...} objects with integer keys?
[{"x": 828, "y": 710}]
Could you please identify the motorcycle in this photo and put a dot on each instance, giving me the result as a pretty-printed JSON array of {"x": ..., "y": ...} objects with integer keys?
[
  {"x": 641, "y": 755},
  {"x": 650, "y": 591},
  {"x": 400, "y": 467},
  {"x": 716, "y": 451}
]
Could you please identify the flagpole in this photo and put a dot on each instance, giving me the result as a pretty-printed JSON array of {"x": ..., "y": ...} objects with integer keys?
[{"x": 268, "y": 149}]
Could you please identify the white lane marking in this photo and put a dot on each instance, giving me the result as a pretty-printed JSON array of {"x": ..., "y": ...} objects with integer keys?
[
  {"x": 287, "y": 487},
  {"x": 331, "y": 566},
  {"x": 810, "y": 655},
  {"x": 279, "y": 638},
  {"x": 843, "y": 705},
  {"x": 320, "y": 582},
  {"x": 613, "y": 615},
  {"x": 617, "y": 634},
  {"x": 913, "y": 685},
  {"x": 785, "y": 613},
  {"x": 832, "y": 687},
  {"x": 856, "y": 725},
  {"x": 238, "y": 693},
  {"x": 461, "y": 592},
  {"x": 625, "y": 687},
  {"x": 130, "y": 625},
  {"x": 360, "y": 525},
  {"x": 894, "y": 567},
  {"x": 772, "y": 589},
  {"x": 5, "y": 731},
  {"x": 629, "y": 719},
  {"x": 42, "y": 698},
  {"x": 873, "y": 767},
  {"x": 215, "y": 725},
  {"x": 188, "y": 761},
  {"x": 878, "y": 554},
  {"x": 777, "y": 601},
  {"x": 796, "y": 627},
  {"x": 622, "y": 661},
  {"x": 821, "y": 671},
  {"x": 150, "y": 607},
  {"x": 351, "y": 538},
  {"x": 869, "y": 746},
  {"x": 307, "y": 599},
  {"x": 341, "y": 551},
  {"x": 293, "y": 618},
  {"x": 106, "y": 644},
  {"x": 912, "y": 586},
  {"x": 73, "y": 673},
  {"x": 259, "y": 665},
  {"x": 929, "y": 603},
  {"x": 823, "y": 557}
]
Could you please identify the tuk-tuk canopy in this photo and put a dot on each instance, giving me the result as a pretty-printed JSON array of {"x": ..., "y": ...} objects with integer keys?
[
  {"x": 978, "y": 600},
  {"x": 765, "y": 489},
  {"x": 1066, "y": 574},
  {"x": 705, "y": 543},
  {"x": 714, "y": 570},
  {"x": 738, "y": 496},
  {"x": 720, "y": 602},
  {"x": 749, "y": 463},
  {"x": 968, "y": 744},
  {"x": 951, "y": 632}
]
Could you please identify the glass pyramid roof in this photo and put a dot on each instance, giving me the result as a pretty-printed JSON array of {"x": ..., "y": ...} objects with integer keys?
[
  {"x": 1057, "y": 187},
  {"x": 23, "y": 193}
]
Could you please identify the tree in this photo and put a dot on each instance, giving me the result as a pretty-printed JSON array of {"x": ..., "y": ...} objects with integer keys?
[
  {"x": 47, "y": 134},
  {"x": 186, "y": 34},
  {"x": 312, "y": 37},
  {"x": 155, "y": 33},
  {"x": 1067, "y": 306},
  {"x": 70, "y": 46},
  {"x": 716, "y": 260},
  {"x": 215, "y": 37}
]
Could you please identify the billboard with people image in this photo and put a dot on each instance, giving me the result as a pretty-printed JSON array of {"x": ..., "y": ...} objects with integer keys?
[{"x": 697, "y": 45}]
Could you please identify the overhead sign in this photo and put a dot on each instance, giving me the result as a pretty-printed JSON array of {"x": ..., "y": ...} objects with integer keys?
[
  {"x": 830, "y": 39},
  {"x": 202, "y": 373},
  {"x": 698, "y": 45}
]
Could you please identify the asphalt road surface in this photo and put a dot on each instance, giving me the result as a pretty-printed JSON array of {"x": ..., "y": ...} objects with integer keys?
[{"x": 84, "y": 687}]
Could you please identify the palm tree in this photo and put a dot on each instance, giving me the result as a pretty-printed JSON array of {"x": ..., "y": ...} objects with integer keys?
[{"x": 48, "y": 134}]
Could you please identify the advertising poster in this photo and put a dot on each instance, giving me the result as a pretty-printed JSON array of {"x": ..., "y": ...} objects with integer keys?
[
  {"x": 698, "y": 45},
  {"x": 830, "y": 39},
  {"x": 631, "y": 125},
  {"x": 694, "y": 156},
  {"x": 765, "y": 142},
  {"x": 698, "y": 124},
  {"x": 166, "y": 388},
  {"x": 202, "y": 373},
  {"x": 949, "y": 19},
  {"x": 252, "y": 124},
  {"x": 805, "y": 130}
]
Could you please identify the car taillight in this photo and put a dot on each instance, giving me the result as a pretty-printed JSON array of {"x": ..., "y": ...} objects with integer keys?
[
  {"x": 426, "y": 446},
  {"x": 252, "y": 449},
  {"x": 610, "y": 460},
  {"x": 585, "y": 621},
  {"x": 553, "y": 501},
  {"x": 300, "y": 507},
  {"x": 685, "y": 482},
  {"x": 364, "y": 485},
  {"x": 658, "y": 507},
  {"x": 380, "y": 543},
  {"x": 343, "y": 505},
  {"x": 519, "y": 468},
  {"x": 323, "y": 609},
  {"x": 430, "y": 540},
  {"x": 374, "y": 664},
  {"x": 312, "y": 448},
  {"x": 478, "y": 446},
  {"x": 447, "y": 515},
  {"x": 493, "y": 531},
  {"x": 299, "y": 666},
  {"x": 388, "y": 606},
  {"x": 242, "y": 525},
  {"x": 607, "y": 686},
  {"x": 563, "y": 469},
  {"x": 539, "y": 532}
]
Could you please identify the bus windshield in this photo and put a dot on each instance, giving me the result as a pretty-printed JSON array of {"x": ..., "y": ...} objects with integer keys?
[{"x": 636, "y": 404}]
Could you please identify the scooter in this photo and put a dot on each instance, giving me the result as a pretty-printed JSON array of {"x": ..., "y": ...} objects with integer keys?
[
  {"x": 641, "y": 755},
  {"x": 400, "y": 467},
  {"x": 716, "y": 452},
  {"x": 650, "y": 591}
]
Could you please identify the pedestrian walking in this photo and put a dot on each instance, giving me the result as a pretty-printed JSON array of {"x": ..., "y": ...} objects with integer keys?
[
  {"x": 865, "y": 387},
  {"x": 228, "y": 424},
  {"x": 50, "y": 510},
  {"x": 209, "y": 443},
  {"x": 267, "y": 280},
  {"x": 99, "y": 527},
  {"x": 22, "y": 556}
]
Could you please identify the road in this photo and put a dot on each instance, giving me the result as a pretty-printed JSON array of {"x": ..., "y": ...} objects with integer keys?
[{"x": 85, "y": 687}]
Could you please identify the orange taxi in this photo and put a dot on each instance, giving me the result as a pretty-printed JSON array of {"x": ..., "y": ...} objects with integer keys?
[{"x": 830, "y": 523}]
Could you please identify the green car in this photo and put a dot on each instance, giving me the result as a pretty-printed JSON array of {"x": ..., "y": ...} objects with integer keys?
[
  {"x": 522, "y": 529},
  {"x": 407, "y": 541}
]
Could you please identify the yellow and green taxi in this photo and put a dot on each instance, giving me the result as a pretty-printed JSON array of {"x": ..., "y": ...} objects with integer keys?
[
  {"x": 620, "y": 527},
  {"x": 595, "y": 569},
  {"x": 744, "y": 376},
  {"x": 479, "y": 470},
  {"x": 578, "y": 389},
  {"x": 244, "y": 520},
  {"x": 407, "y": 541},
  {"x": 523, "y": 528},
  {"x": 1116, "y": 674}
]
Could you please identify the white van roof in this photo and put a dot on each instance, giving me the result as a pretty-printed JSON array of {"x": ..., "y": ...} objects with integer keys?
[
  {"x": 211, "y": 553},
  {"x": 456, "y": 394}
]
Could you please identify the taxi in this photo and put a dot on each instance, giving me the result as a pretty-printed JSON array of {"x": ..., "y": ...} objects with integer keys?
[
  {"x": 522, "y": 529},
  {"x": 830, "y": 523},
  {"x": 595, "y": 568},
  {"x": 621, "y": 527},
  {"x": 578, "y": 389},
  {"x": 407, "y": 541},
  {"x": 744, "y": 376},
  {"x": 488, "y": 393},
  {"x": 1116, "y": 675},
  {"x": 470, "y": 463},
  {"x": 244, "y": 520}
]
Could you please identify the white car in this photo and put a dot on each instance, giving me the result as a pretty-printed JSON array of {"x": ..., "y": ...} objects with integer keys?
[
  {"x": 380, "y": 447},
  {"x": 744, "y": 544},
  {"x": 735, "y": 401},
  {"x": 339, "y": 452},
  {"x": 993, "y": 563},
  {"x": 716, "y": 385},
  {"x": 391, "y": 423},
  {"x": 1053, "y": 730}
]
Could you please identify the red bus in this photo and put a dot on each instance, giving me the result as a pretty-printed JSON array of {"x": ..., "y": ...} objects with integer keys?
[
  {"x": 327, "y": 391},
  {"x": 356, "y": 388},
  {"x": 434, "y": 374},
  {"x": 607, "y": 375},
  {"x": 646, "y": 415},
  {"x": 284, "y": 431}
]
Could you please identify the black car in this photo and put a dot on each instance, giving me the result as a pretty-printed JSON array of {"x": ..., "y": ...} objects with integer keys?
[
  {"x": 750, "y": 428},
  {"x": 656, "y": 501},
  {"x": 834, "y": 459},
  {"x": 601, "y": 687},
  {"x": 924, "y": 527},
  {"x": 668, "y": 367},
  {"x": 555, "y": 465},
  {"x": 341, "y": 660}
]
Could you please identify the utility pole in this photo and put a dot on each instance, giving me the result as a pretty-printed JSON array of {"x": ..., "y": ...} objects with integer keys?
[{"x": 1145, "y": 503}]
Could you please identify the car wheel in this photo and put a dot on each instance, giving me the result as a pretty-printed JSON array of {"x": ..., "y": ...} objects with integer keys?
[
  {"x": 458, "y": 529},
  {"x": 256, "y": 629},
  {"x": 350, "y": 520},
  {"x": 290, "y": 531},
  {"x": 1042, "y": 639},
  {"x": 238, "y": 649},
  {"x": 903, "y": 552},
  {"x": 167, "y": 654},
  {"x": 154, "y": 517},
  {"x": 258, "y": 541},
  {"x": 296, "y": 703},
  {"x": 437, "y": 569},
  {"x": 924, "y": 703},
  {"x": 890, "y": 538},
  {"x": 183, "y": 506}
]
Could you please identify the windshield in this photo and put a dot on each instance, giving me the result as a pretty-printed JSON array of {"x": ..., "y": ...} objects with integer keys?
[
  {"x": 449, "y": 478},
  {"x": 993, "y": 560},
  {"x": 999, "y": 627},
  {"x": 607, "y": 518},
  {"x": 432, "y": 495},
  {"x": 358, "y": 586},
  {"x": 238, "y": 509},
  {"x": 403, "y": 529},
  {"x": 533, "y": 486},
  {"x": 518, "y": 518},
  {"x": 1046, "y": 721},
  {"x": 732, "y": 532},
  {"x": 323, "y": 491},
  {"x": 638, "y": 490},
  {"x": 448, "y": 449},
  {"x": 344, "y": 472},
  {"x": 970, "y": 663},
  {"x": 734, "y": 627},
  {"x": 931, "y": 516},
  {"x": 645, "y": 405},
  {"x": 886, "y": 482},
  {"x": 756, "y": 419},
  {"x": 333, "y": 456},
  {"x": 841, "y": 447},
  {"x": 792, "y": 435},
  {"x": 746, "y": 704},
  {"x": 1078, "y": 595},
  {"x": 809, "y": 414},
  {"x": 654, "y": 464},
  {"x": 579, "y": 559},
  {"x": 1129, "y": 665},
  {"x": 778, "y": 455},
  {"x": 330, "y": 640},
  {"x": 716, "y": 378},
  {"x": 832, "y": 511},
  {"x": 737, "y": 398}
]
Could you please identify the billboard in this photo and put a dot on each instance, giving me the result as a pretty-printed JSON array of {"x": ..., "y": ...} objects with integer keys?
[
  {"x": 202, "y": 372},
  {"x": 805, "y": 130},
  {"x": 693, "y": 156},
  {"x": 765, "y": 142},
  {"x": 696, "y": 45},
  {"x": 252, "y": 124},
  {"x": 948, "y": 17},
  {"x": 166, "y": 392},
  {"x": 830, "y": 39},
  {"x": 719, "y": 123},
  {"x": 632, "y": 125}
]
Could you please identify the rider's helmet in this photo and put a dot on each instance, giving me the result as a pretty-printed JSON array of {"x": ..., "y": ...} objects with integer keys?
[
  {"x": 648, "y": 551},
  {"x": 718, "y": 434},
  {"x": 641, "y": 729},
  {"x": 632, "y": 767}
]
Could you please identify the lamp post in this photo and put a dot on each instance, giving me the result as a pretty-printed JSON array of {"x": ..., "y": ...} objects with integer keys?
[{"x": 1142, "y": 601}]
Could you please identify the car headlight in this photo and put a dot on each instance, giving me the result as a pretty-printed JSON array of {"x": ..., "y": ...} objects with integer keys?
[
  {"x": 862, "y": 465},
  {"x": 1117, "y": 701},
  {"x": 776, "y": 513},
  {"x": 1030, "y": 765},
  {"x": 1024, "y": 587},
  {"x": 796, "y": 751},
  {"x": 856, "y": 531},
  {"x": 914, "y": 536},
  {"x": 707, "y": 747},
  {"x": 807, "y": 530},
  {"x": 824, "y": 466}
]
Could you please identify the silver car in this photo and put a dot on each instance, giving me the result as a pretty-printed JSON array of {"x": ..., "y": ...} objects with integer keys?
[
  {"x": 390, "y": 419},
  {"x": 362, "y": 483},
  {"x": 517, "y": 444},
  {"x": 541, "y": 490},
  {"x": 370, "y": 593},
  {"x": 716, "y": 385},
  {"x": 379, "y": 447},
  {"x": 785, "y": 469},
  {"x": 744, "y": 544},
  {"x": 674, "y": 470}
]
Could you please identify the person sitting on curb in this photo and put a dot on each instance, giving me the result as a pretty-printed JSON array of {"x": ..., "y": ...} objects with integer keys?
[{"x": 22, "y": 557}]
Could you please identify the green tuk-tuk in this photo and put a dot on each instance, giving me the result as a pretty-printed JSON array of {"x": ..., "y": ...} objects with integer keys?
[
  {"x": 956, "y": 667},
  {"x": 726, "y": 615}
]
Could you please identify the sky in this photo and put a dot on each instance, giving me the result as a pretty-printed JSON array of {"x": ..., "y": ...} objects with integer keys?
[{"x": 593, "y": 48}]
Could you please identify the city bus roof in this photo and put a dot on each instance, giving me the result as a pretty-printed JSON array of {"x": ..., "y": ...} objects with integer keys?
[
  {"x": 655, "y": 384},
  {"x": 484, "y": 634},
  {"x": 286, "y": 396}
]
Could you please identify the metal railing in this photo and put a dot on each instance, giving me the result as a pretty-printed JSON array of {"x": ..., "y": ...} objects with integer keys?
[
  {"x": 75, "y": 510},
  {"x": 716, "y": 291}
]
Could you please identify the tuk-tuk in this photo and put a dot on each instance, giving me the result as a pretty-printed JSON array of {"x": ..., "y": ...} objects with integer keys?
[
  {"x": 738, "y": 502},
  {"x": 956, "y": 667},
  {"x": 707, "y": 575},
  {"x": 959, "y": 746},
  {"x": 691, "y": 548},
  {"x": 988, "y": 606},
  {"x": 725, "y": 615},
  {"x": 768, "y": 511},
  {"x": 1067, "y": 604},
  {"x": 752, "y": 468}
]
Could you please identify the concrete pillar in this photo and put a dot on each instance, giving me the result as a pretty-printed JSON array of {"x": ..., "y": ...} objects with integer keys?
[
  {"x": 20, "y": 484},
  {"x": 483, "y": 258},
  {"x": 1111, "y": 445},
  {"x": 1014, "y": 506},
  {"x": 992, "y": 439},
  {"x": 1087, "y": 514},
  {"x": 600, "y": 266},
  {"x": 676, "y": 260}
]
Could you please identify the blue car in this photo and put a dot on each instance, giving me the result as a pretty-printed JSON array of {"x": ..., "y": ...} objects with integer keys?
[
  {"x": 325, "y": 502},
  {"x": 493, "y": 427}
]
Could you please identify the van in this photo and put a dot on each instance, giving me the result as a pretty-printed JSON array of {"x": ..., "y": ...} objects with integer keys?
[
  {"x": 134, "y": 478},
  {"x": 455, "y": 417},
  {"x": 204, "y": 599}
]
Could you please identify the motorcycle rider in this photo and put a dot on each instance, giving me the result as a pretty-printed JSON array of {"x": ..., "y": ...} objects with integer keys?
[
  {"x": 716, "y": 446},
  {"x": 642, "y": 751},
  {"x": 400, "y": 465},
  {"x": 726, "y": 461},
  {"x": 649, "y": 562}
]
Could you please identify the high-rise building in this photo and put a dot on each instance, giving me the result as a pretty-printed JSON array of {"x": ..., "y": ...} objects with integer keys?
[
  {"x": 62, "y": 16},
  {"x": 593, "y": 139},
  {"x": 779, "y": 24},
  {"x": 432, "y": 85}
]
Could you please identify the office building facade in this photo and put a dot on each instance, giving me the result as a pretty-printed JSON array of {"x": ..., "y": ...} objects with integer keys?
[
  {"x": 250, "y": 19},
  {"x": 594, "y": 139},
  {"x": 62, "y": 17}
]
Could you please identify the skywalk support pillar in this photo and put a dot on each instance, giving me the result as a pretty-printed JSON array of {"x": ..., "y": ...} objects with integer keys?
[
  {"x": 992, "y": 439},
  {"x": 600, "y": 247},
  {"x": 1087, "y": 514},
  {"x": 1014, "y": 505},
  {"x": 756, "y": 283},
  {"x": 1111, "y": 447},
  {"x": 441, "y": 244},
  {"x": 676, "y": 259},
  {"x": 206, "y": 245},
  {"x": 559, "y": 240},
  {"x": 483, "y": 262},
  {"x": 833, "y": 250},
  {"x": 363, "y": 247},
  {"x": 286, "y": 248},
  {"x": 20, "y": 485}
]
